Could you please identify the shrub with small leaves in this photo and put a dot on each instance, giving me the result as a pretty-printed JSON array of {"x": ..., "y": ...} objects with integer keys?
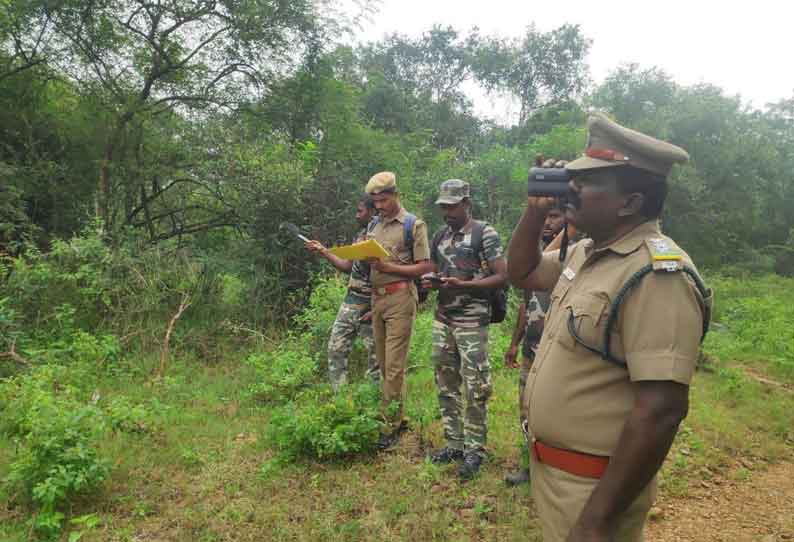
[
  {"x": 280, "y": 374},
  {"x": 56, "y": 434},
  {"x": 126, "y": 417},
  {"x": 317, "y": 318},
  {"x": 324, "y": 425}
]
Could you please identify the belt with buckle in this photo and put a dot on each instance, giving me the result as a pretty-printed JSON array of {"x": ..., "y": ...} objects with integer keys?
[
  {"x": 576, "y": 463},
  {"x": 391, "y": 288}
]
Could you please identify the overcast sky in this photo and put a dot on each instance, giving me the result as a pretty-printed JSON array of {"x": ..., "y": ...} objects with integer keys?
[{"x": 747, "y": 48}]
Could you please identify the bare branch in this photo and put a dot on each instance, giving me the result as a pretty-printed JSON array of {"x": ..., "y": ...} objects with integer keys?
[
  {"x": 183, "y": 305},
  {"x": 12, "y": 353}
]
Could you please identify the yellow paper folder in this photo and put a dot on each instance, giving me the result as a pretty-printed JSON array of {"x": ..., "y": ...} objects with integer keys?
[{"x": 360, "y": 251}]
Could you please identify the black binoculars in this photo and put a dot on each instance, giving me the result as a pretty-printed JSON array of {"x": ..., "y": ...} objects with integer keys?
[{"x": 548, "y": 181}]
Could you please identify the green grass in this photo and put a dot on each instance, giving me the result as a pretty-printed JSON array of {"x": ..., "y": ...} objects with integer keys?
[
  {"x": 754, "y": 323},
  {"x": 201, "y": 470}
]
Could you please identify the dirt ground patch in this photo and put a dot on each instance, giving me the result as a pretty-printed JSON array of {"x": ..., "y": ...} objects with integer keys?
[{"x": 758, "y": 509}]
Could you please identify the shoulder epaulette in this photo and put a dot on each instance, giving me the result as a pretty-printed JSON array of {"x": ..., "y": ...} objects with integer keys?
[{"x": 665, "y": 255}]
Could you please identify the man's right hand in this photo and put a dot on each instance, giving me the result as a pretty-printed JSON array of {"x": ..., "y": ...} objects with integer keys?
[
  {"x": 541, "y": 204},
  {"x": 510, "y": 357},
  {"x": 315, "y": 246},
  {"x": 426, "y": 283}
]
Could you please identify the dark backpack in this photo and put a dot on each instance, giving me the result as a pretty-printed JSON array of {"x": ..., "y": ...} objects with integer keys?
[
  {"x": 408, "y": 239},
  {"x": 498, "y": 296}
]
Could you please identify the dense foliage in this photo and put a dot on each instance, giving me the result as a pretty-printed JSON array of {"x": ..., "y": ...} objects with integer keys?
[{"x": 204, "y": 125}]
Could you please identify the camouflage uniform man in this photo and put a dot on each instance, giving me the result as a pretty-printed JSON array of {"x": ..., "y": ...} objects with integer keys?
[
  {"x": 468, "y": 260},
  {"x": 355, "y": 312},
  {"x": 610, "y": 382},
  {"x": 394, "y": 295},
  {"x": 529, "y": 327}
]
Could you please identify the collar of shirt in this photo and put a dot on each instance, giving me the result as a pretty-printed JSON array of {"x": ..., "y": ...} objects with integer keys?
[
  {"x": 467, "y": 228},
  {"x": 399, "y": 217},
  {"x": 628, "y": 243}
]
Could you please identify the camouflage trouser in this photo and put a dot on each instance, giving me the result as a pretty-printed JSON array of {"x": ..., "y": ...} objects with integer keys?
[
  {"x": 347, "y": 325},
  {"x": 461, "y": 360}
]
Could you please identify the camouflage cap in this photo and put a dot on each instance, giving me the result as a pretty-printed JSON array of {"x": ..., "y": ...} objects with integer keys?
[
  {"x": 453, "y": 191},
  {"x": 381, "y": 182},
  {"x": 609, "y": 145}
]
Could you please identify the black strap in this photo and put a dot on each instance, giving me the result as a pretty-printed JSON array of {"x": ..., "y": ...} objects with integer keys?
[
  {"x": 372, "y": 223},
  {"x": 477, "y": 231},
  {"x": 436, "y": 240},
  {"x": 564, "y": 243},
  {"x": 630, "y": 284}
]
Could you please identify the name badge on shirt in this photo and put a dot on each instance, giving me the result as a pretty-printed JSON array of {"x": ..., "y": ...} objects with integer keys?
[{"x": 568, "y": 273}]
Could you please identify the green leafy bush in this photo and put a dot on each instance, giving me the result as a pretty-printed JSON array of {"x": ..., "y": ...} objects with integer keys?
[
  {"x": 56, "y": 435},
  {"x": 73, "y": 273},
  {"x": 282, "y": 373},
  {"x": 322, "y": 425},
  {"x": 319, "y": 315},
  {"x": 126, "y": 417}
]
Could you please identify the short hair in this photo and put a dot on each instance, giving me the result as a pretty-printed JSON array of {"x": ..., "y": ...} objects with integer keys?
[
  {"x": 651, "y": 185},
  {"x": 367, "y": 201}
]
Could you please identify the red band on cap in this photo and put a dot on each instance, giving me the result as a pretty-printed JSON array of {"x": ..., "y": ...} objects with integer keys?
[{"x": 606, "y": 154}]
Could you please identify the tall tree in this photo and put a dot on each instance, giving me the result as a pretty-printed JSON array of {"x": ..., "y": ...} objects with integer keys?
[
  {"x": 539, "y": 69},
  {"x": 413, "y": 84},
  {"x": 138, "y": 59}
]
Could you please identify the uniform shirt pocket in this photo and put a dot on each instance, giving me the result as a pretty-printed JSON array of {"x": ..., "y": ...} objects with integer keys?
[{"x": 585, "y": 314}]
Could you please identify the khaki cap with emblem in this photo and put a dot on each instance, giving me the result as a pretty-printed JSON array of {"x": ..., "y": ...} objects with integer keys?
[
  {"x": 452, "y": 192},
  {"x": 609, "y": 145},
  {"x": 385, "y": 181}
]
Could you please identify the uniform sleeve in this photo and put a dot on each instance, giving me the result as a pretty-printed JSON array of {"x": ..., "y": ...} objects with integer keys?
[
  {"x": 548, "y": 271},
  {"x": 661, "y": 324},
  {"x": 491, "y": 246},
  {"x": 421, "y": 246}
]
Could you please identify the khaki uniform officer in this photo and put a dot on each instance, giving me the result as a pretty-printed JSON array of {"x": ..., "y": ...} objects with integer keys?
[
  {"x": 394, "y": 294},
  {"x": 610, "y": 381}
]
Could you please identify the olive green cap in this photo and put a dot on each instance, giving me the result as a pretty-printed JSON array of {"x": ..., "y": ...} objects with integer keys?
[
  {"x": 609, "y": 145},
  {"x": 381, "y": 182},
  {"x": 453, "y": 191}
]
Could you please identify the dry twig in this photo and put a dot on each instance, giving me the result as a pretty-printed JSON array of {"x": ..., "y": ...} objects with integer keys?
[
  {"x": 183, "y": 305},
  {"x": 12, "y": 353}
]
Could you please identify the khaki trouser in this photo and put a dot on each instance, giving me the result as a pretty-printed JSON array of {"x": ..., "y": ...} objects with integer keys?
[
  {"x": 523, "y": 408},
  {"x": 392, "y": 324},
  {"x": 560, "y": 498}
]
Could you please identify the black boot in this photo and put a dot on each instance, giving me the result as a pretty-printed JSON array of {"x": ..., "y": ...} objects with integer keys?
[
  {"x": 389, "y": 441},
  {"x": 446, "y": 455},
  {"x": 470, "y": 466},
  {"x": 517, "y": 478}
]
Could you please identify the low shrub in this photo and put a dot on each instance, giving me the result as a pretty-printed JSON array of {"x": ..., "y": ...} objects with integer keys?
[
  {"x": 280, "y": 374},
  {"x": 56, "y": 435},
  {"x": 322, "y": 425},
  {"x": 318, "y": 317}
]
